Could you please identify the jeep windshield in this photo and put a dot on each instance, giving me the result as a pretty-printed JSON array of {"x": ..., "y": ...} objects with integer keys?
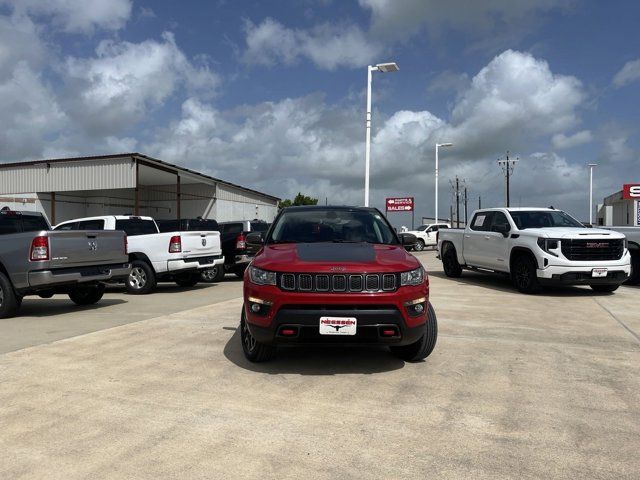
[
  {"x": 543, "y": 219},
  {"x": 316, "y": 225}
]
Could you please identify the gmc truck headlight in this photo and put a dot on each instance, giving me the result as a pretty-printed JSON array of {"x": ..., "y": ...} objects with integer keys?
[
  {"x": 413, "y": 277},
  {"x": 548, "y": 244},
  {"x": 262, "y": 277}
]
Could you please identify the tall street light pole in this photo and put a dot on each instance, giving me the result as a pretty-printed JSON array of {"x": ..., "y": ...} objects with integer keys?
[
  {"x": 438, "y": 145},
  {"x": 384, "y": 68},
  {"x": 591, "y": 165}
]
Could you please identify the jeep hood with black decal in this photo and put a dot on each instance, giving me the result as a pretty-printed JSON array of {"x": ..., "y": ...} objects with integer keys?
[{"x": 335, "y": 257}]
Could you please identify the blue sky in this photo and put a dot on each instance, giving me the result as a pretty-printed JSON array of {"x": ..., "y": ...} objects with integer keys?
[{"x": 271, "y": 94}]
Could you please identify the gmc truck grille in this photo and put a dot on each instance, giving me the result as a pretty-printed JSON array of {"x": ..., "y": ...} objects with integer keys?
[
  {"x": 601, "y": 249},
  {"x": 352, "y": 283}
]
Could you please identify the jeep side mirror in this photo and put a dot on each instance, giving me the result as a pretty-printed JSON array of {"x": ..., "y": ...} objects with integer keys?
[
  {"x": 254, "y": 239},
  {"x": 408, "y": 239}
]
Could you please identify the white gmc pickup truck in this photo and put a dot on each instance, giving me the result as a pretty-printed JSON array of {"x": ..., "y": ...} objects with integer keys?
[
  {"x": 155, "y": 256},
  {"x": 536, "y": 246}
]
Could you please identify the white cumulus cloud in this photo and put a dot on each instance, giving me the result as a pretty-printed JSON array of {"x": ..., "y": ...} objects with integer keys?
[
  {"x": 629, "y": 73},
  {"x": 328, "y": 46},
  {"x": 560, "y": 140},
  {"x": 76, "y": 15},
  {"x": 124, "y": 81}
]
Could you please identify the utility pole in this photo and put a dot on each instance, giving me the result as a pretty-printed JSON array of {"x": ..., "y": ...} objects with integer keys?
[
  {"x": 465, "y": 205},
  {"x": 479, "y": 202},
  {"x": 457, "y": 203},
  {"x": 451, "y": 214},
  {"x": 507, "y": 169}
]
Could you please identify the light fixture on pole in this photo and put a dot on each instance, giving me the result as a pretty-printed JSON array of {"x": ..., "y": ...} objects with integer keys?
[
  {"x": 384, "y": 68},
  {"x": 591, "y": 165},
  {"x": 438, "y": 145}
]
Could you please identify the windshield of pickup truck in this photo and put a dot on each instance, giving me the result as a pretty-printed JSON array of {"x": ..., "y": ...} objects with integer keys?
[
  {"x": 331, "y": 225},
  {"x": 543, "y": 219}
]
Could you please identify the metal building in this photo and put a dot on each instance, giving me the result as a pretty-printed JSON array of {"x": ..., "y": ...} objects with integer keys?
[
  {"x": 128, "y": 183},
  {"x": 622, "y": 208}
]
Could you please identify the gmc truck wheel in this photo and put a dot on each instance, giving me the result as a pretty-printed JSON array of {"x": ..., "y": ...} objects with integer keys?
[
  {"x": 634, "y": 277},
  {"x": 421, "y": 349},
  {"x": 254, "y": 350},
  {"x": 9, "y": 303},
  {"x": 604, "y": 288},
  {"x": 87, "y": 294},
  {"x": 419, "y": 246},
  {"x": 142, "y": 278},
  {"x": 523, "y": 275},
  {"x": 450, "y": 263}
]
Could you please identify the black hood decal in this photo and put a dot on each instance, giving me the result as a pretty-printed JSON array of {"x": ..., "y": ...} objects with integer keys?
[{"x": 336, "y": 252}]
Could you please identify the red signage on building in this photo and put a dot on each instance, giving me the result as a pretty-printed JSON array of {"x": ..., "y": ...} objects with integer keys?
[
  {"x": 631, "y": 191},
  {"x": 404, "y": 204}
]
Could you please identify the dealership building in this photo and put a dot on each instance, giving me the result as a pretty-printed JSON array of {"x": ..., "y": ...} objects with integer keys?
[
  {"x": 622, "y": 208},
  {"x": 130, "y": 183}
]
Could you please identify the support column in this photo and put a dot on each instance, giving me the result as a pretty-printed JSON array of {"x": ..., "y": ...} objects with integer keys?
[
  {"x": 136, "y": 203},
  {"x": 53, "y": 208},
  {"x": 178, "y": 198}
]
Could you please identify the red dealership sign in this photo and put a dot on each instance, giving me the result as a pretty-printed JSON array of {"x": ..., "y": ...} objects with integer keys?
[
  {"x": 630, "y": 191},
  {"x": 404, "y": 204}
]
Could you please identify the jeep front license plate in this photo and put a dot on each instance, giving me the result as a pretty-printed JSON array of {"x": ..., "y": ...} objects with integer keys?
[
  {"x": 599, "y": 272},
  {"x": 338, "y": 325}
]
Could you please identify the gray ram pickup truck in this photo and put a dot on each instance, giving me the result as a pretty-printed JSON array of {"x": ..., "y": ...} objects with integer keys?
[{"x": 34, "y": 260}]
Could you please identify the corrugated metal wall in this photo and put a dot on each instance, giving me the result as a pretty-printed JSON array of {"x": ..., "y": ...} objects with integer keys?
[
  {"x": 68, "y": 176},
  {"x": 236, "y": 204}
]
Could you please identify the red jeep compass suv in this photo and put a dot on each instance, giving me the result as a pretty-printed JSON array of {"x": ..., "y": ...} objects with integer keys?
[{"x": 335, "y": 275}]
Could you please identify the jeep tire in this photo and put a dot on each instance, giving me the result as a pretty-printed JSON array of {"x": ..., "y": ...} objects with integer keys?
[
  {"x": 414, "y": 352},
  {"x": 254, "y": 351}
]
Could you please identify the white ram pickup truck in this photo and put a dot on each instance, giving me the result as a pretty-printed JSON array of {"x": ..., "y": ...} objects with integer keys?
[
  {"x": 427, "y": 235},
  {"x": 536, "y": 247},
  {"x": 155, "y": 256}
]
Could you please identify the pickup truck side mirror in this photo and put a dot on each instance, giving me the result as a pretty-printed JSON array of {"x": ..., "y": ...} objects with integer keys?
[
  {"x": 254, "y": 239},
  {"x": 504, "y": 229}
]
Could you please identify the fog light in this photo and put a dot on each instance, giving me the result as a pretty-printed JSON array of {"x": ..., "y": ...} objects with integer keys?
[
  {"x": 419, "y": 308},
  {"x": 255, "y": 308}
]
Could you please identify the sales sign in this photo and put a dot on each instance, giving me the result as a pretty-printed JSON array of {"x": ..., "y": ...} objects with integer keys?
[
  {"x": 404, "y": 204},
  {"x": 631, "y": 191}
]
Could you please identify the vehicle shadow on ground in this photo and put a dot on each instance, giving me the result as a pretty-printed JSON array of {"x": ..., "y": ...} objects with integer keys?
[
  {"x": 49, "y": 307},
  {"x": 316, "y": 360},
  {"x": 162, "y": 288},
  {"x": 503, "y": 283}
]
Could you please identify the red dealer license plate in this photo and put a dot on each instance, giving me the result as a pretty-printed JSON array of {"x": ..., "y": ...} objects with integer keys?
[{"x": 338, "y": 325}]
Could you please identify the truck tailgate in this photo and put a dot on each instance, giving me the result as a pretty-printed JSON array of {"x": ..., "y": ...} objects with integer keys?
[
  {"x": 200, "y": 244},
  {"x": 72, "y": 248}
]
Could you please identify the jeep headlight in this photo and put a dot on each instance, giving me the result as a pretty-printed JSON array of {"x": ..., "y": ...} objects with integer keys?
[
  {"x": 413, "y": 277},
  {"x": 262, "y": 277}
]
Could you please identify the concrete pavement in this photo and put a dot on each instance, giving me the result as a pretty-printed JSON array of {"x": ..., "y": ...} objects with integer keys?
[{"x": 518, "y": 386}]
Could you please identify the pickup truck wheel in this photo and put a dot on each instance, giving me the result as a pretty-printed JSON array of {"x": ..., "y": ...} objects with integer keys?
[
  {"x": 450, "y": 263},
  {"x": 419, "y": 246},
  {"x": 213, "y": 275},
  {"x": 188, "y": 279},
  {"x": 87, "y": 294},
  {"x": 634, "y": 277},
  {"x": 523, "y": 275},
  {"x": 142, "y": 278},
  {"x": 254, "y": 350},
  {"x": 421, "y": 349},
  {"x": 9, "y": 303},
  {"x": 604, "y": 288}
]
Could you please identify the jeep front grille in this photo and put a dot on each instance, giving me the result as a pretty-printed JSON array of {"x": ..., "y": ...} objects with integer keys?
[{"x": 338, "y": 283}]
